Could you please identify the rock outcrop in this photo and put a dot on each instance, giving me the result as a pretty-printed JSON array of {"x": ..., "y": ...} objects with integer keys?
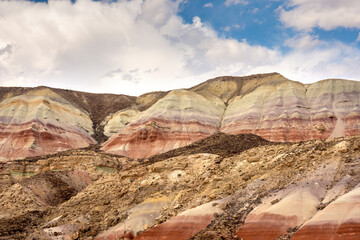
[
  {"x": 185, "y": 224},
  {"x": 289, "y": 208}
]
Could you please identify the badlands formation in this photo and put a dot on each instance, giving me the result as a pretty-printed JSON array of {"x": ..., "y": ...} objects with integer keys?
[{"x": 256, "y": 157}]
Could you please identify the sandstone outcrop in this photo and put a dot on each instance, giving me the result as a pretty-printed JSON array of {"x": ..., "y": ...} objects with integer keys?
[
  {"x": 288, "y": 208},
  {"x": 185, "y": 224}
]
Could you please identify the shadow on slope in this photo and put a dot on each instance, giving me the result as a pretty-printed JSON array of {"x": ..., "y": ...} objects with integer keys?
[
  {"x": 30, "y": 199},
  {"x": 220, "y": 143}
]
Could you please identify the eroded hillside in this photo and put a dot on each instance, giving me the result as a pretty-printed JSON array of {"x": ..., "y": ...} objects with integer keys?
[
  {"x": 255, "y": 157},
  {"x": 40, "y": 121},
  {"x": 263, "y": 191}
]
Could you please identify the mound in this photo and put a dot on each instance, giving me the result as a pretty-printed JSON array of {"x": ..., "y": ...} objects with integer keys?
[{"x": 221, "y": 144}]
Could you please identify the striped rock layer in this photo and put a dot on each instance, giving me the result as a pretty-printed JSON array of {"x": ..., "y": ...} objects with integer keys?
[
  {"x": 270, "y": 222},
  {"x": 184, "y": 225},
  {"x": 339, "y": 220},
  {"x": 43, "y": 120},
  {"x": 291, "y": 111},
  {"x": 178, "y": 119},
  {"x": 143, "y": 214},
  {"x": 40, "y": 122},
  {"x": 270, "y": 106}
]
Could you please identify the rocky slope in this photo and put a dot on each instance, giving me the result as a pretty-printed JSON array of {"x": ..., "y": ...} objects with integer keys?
[{"x": 307, "y": 190}]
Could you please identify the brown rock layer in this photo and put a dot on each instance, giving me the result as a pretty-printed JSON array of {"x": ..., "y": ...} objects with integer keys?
[{"x": 144, "y": 197}]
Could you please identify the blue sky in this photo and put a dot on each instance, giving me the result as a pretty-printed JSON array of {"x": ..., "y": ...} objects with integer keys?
[
  {"x": 139, "y": 46},
  {"x": 258, "y": 22}
]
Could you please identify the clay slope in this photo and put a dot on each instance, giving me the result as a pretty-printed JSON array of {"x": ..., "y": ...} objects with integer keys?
[{"x": 306, "y": 190}]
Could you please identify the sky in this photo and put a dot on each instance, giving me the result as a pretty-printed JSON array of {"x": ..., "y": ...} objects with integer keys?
[{"x": 137, "y": 46}]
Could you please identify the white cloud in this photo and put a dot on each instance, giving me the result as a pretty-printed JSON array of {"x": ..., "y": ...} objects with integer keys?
[
  {"x": 255, "y": 10},
  {"x": 227, "y": 29},
  {"x": 139, "y": 46},
  {"x": 305, "y": 41},
  {"x": 6, "y": 49},
  {"x": 209, "y": 5},
  {"x": 233, "y": 27},
  {"x": 326, "y": 60},
  {"x": 326, "y": 14},
  {"x": 236, "y": 2},
  {"x": 78, "y": 46},
  {"x": 358, "y": 38}
]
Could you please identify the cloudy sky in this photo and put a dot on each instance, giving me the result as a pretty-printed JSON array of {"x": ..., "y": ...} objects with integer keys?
[{"x": 137, "y": 46}]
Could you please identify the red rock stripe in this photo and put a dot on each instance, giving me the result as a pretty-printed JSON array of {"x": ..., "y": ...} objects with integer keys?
[
  {"x": 178, "y": 228},
  {"x": 347, "y": 231},
  {"x": 266, "y": 226}
]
